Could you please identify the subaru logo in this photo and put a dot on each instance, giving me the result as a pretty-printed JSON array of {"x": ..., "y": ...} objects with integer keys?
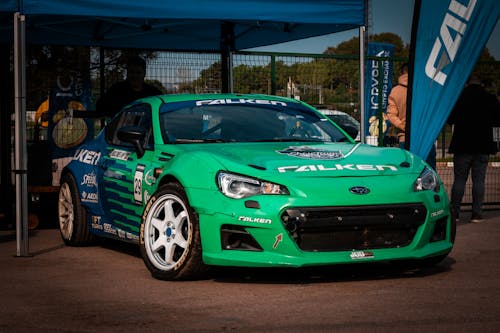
[{"x": 359, "y": 190}]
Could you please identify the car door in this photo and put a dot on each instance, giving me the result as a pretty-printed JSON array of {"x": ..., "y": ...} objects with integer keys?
[{"x": 123, "y": 174}]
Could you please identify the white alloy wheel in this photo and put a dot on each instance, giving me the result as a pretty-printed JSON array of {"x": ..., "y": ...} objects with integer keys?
[
  {"x": 65, "y": 211},
  {"x": 167, "y": 233},
  {"x": 72, "y": 215}
]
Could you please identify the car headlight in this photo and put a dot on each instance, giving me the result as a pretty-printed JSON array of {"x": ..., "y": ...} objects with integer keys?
[
  {"x": 428, "y": 180},
  {"x": 237, "y": 186}
]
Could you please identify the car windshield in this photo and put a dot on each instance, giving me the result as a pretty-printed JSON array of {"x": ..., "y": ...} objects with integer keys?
[
  {"x": 243, "y": 120},
  {"x": 344, "y": 120}
]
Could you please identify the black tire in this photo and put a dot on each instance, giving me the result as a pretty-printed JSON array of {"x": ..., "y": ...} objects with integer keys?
[
  {"x": 170, "y": 236},
  {"x": 453, "y": 228},
  {"x": 71, "y": 214}
]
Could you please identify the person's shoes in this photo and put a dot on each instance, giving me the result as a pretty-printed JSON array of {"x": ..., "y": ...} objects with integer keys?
[{"x": 476, "y": 218}]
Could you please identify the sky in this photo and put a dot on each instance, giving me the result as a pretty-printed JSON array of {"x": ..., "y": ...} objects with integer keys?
[{"x": 387, "y": 16}]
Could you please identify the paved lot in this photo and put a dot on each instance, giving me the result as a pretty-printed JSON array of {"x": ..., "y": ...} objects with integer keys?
[{"x": 106, "y": 288}]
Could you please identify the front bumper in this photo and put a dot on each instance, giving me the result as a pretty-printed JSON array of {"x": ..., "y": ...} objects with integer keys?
[{"x": 326, "y": 234}]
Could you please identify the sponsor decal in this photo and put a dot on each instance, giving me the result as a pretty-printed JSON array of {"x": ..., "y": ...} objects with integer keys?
[
  {"x": 121, "y": 233},
  {"x": 108, "y": 228},
  {"x": 133, "y": 237},
  {"x": 311, "y": 153},
  {"x": 87, "y": 156},
  {"x": 96, "y": 222},
  {"x": 89, "y": 179},
  {"x": 149, "y": 177},
  {"x": 119, "y": 154},
  {"x": 277, "y": 240},
  {"x": 89, "y": 197},
  {"x": 336, "y": 167},
  {"x": 139, "y": 173},
  {"x": 255, "y": 220},
  {"x": 238, "y": 101},
  {"x": 439, "y": 212},
  {"x": 146, "y": 196},
  {"x": 452, "y": 30},
  {"x": 355, "y": 255}
]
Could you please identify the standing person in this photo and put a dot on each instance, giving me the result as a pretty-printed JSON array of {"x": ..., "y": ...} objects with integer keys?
[
  {"x": 473, "y": 117},
  {"x": 396, "y": 111},
  {"x": 124, "y": 92}
]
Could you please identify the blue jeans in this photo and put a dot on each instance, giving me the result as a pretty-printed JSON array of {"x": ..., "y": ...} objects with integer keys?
[{"x": 476, "y": 164}]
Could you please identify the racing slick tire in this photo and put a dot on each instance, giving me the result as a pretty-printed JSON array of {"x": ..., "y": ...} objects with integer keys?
[
  {"x": 170, "y": 240},
  {"x": 72, "y": 215}
]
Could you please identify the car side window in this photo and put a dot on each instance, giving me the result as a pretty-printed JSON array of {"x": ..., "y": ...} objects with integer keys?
[{"x": 136, "y": 115}]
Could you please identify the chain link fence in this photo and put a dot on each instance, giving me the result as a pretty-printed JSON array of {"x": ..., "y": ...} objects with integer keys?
[{"x": 325, "y": 81}]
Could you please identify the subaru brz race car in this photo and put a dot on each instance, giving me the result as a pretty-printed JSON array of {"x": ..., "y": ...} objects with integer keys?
[{"x": 249, "y": 180}]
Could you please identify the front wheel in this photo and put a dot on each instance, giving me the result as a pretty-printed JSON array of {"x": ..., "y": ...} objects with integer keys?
[
  {"x": 170, "y": 236},
  {"x": 72, "y": 215}
]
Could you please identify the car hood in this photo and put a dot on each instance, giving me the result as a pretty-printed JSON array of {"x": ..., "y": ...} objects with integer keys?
[{"x": 310, "y": 159}]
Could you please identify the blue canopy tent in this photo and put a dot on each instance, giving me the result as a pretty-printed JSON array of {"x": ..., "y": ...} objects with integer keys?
[
  {"x": 182, "y": 25},
  {"x": 217, "y": 25}
]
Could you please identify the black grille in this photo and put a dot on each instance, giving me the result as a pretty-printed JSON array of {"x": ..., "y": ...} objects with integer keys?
[{"x": 354, "y": 227}]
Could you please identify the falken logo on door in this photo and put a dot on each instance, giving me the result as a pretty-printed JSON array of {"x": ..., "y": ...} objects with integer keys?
[
  {"x": 312, "y": 153},
  {"x": 139, "y": 173},
  {"x": 355, "y": 255},
  {"x": 119, "y": 154},
  {"x": 87, "y": 156}
]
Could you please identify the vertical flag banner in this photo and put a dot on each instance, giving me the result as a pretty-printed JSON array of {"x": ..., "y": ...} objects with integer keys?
[
  {"x": 378, "y": 85},
  {"x": 447, "y": 39}
]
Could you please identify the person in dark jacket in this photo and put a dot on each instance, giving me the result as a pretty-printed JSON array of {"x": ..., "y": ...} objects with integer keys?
[
  {"x": 474, "y": 116},
  {"x": 124, "y": 92}
]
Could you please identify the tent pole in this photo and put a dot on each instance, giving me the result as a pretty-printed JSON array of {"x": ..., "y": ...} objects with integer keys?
[
  {"x": 361, "y": 87},
  {"x": 6, "y": 86},
  {"x": 102, "y": 78},
  {"x": 227, "y": 46},
  {"x": 411, "y": 64},
  {"x": 20, "y": 136}
]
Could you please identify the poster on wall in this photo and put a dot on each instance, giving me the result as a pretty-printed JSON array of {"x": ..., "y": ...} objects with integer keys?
[
  {"x": 67, "y": 129},
  {"x": 378, "y": 85}
]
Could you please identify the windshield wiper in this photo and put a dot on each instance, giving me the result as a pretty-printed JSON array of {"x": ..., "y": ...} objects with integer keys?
[
  {"x": 288, "y": 139},
  {"x": 199, "y": 140}
]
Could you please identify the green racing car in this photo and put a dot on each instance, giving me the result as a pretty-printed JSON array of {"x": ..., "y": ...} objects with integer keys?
[{"x": 249, "y": 180}]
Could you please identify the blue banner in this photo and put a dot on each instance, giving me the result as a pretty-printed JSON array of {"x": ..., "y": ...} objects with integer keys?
[
  {"x": 449, "y": 38},
  {"x": 378, "y": 85},
  {"x": 66, "y": 131}
]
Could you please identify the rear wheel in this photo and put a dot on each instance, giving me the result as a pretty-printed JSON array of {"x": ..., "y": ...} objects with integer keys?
[
  {"x": 71, "y": 214},
  {"x": 170, "y": 236}
]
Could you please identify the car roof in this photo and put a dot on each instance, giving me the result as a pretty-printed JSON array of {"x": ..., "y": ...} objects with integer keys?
[
  {"x": 333, "y": 112},
  {"x": 169, "y": 98}
]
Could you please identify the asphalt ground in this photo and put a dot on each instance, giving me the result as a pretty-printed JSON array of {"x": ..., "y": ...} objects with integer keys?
[{"x": 107, "y": 288}]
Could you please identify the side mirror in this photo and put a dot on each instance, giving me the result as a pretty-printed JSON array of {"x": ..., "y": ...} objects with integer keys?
[{"x": 134, "y": 135}]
